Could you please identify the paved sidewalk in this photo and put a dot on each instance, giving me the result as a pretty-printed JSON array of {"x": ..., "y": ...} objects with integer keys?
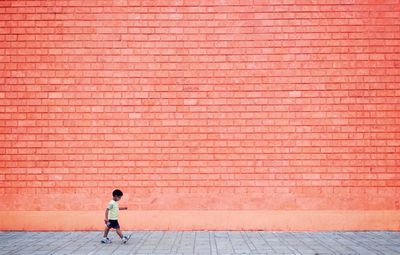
[{"x": 202, "y": 242}]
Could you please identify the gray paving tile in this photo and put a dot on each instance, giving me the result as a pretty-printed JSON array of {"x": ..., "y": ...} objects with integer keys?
[{"x": 201, "y": 242}]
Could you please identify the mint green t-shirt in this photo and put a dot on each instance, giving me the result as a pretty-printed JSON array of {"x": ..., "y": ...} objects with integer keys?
[{"x": 113, "y": 210}]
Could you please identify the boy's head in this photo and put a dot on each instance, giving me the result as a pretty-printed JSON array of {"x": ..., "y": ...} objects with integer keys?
[{"x": 117, "y": 194}]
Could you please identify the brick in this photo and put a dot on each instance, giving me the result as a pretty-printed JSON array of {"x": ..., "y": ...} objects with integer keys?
[{"x": 285, "y": 99}]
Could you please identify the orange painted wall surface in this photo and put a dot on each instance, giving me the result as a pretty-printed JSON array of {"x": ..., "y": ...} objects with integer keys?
[{"x": 200, "y": 106}]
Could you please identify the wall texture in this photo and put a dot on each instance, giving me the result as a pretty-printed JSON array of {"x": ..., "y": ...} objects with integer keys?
[{"x": 228, "y": 114}]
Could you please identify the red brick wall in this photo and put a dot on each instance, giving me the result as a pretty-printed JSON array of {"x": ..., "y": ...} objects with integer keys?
[{"x": 207, "y": 105}]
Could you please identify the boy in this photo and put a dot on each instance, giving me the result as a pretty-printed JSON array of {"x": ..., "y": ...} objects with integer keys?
[{"x": 111, "y": 217}]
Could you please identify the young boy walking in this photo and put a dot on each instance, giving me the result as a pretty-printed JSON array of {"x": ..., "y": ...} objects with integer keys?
[{"x": 111, "y": 217}]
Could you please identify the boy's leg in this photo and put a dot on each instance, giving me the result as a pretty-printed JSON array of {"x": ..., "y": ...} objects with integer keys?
[
  {"x": 123, "y": 238},
  {"x": 119, "y": 232},
  {"x": 106, "y": 230},
  {"x": 105, "y": 238}
]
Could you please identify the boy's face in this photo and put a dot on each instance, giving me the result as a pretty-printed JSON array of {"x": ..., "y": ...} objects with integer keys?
[{"x": 116, "y": 198}]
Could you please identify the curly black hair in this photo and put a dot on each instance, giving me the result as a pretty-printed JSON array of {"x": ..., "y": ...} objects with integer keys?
[{"x": 117, "y": 193}]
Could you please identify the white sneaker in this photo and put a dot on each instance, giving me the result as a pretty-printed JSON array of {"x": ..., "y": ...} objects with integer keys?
[
  {"x": 125, "y": 239},
  {"x": 106, "y": 240}
]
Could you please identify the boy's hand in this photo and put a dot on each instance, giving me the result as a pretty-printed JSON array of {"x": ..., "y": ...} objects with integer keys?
[{"x": 106, "y": 221}]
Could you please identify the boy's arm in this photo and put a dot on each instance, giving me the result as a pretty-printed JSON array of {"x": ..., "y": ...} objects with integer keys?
[
  {"x": 123, "y": 208},
  {"x": 106, "y": 215}
]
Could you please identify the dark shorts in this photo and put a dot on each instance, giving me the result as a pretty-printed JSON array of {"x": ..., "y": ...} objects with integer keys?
[{"x": 113, "y": 224}]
